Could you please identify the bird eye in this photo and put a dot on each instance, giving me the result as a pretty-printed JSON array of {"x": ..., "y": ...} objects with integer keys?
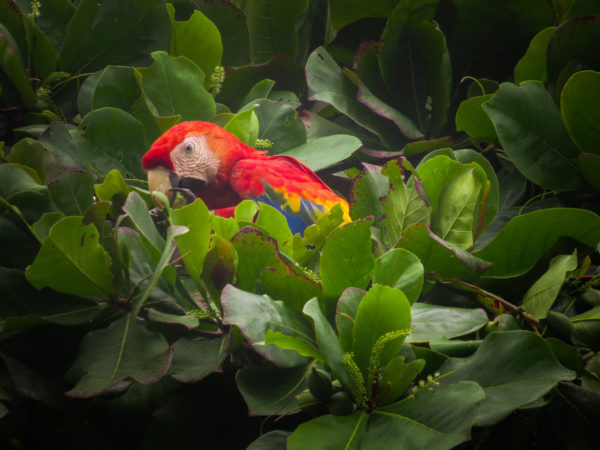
[{"x": 189, "y": 147}]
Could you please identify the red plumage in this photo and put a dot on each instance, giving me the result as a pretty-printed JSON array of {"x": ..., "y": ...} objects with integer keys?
[{"x": 244, "y": 172}]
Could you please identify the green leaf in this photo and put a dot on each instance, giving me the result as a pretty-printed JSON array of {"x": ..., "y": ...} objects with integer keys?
[
  {"x": 346, "y": 259},
  {"x": 531, "y": 132},
  {"x": 402, "y": 206},
  {"x": 73, "y": 192},
  {"x": 273, "y": 440},
  {"x": 121, "y": 149},
  {"x": 432, "y": 322},
  {"x": 284, "y": 385},
  {"x": 398, "y": 375},
  {"x": 14, "y": 70},
  {"x": 197, "y": 39},
  {"x": 307, "y": 246},
  {"x": 383, "y": 310},
  {"x": 573, "y": 43},
  {"x": 113, "y": 189},
  {"x": 41, "y": 228},
  {"x": 415, "y": 63},
  {"x": 439, "y": 257},
  {"x": 258, "y": 91},
  {"x": 244, "y": 126},
  {"x": 580, "y": 103},
  {"x": 295, "y": 343},
  {"x": 519, "y": 244},
  {"x": 532, "y": 66},
  {"x": 194, "y": 244},
  {"x": 330, "y": 432},
  {"x": 172, "y": 88},
  {"x": 454, "y": 218},
  {"x": 114, "y": 32},
  {"x": 196, "y": 357},
  {"x": 279, "y": 123},
  {"x": 404, "y": 124},
  {"x": 126, "y": 349},
  {"x": 328, "y": 344},
  {"x": 472, "y": 119},
  {"x": 272, "y": 27},
  {"x": 254, "y": 314},
  {"x": 42, "y": 55},
  {"x": 540, "y": 297},
  {"x": 513, "y": 367},
  {"x": 589, "y": 165},
  {"x": 29, "y": 152},
  {"x": 400, "y": 269},
  {"x": 189, "y": 321},
  {"x": 72, "y": 261},
  {"x": 115, "y": 87},
  {"x": 137, "y": 210},
  {"x": 321, "y": 153},
  {"x": 440, "y": 419},
  {"x": 261, "y": 268},
  {"x": 345, "y": 314},
  {"x": 19, "y": 189},
  {"x": 328, "y": 83},
  {"x": 367, "y": 188},
  {"x": 343, "y": 13}
]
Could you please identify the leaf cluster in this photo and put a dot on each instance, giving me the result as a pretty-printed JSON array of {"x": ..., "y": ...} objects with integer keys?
[{"x": 459, "y": 308}]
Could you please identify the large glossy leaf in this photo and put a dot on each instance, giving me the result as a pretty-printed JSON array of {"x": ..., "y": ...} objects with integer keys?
[
  {"x": 367, "y": 188},
  {"x": 72, "y": 261},
  {"x": 579, "y": 105},
  {"x": 231, "y": 22},
  {"x": 348, "y": 11},
  {"x": 345, "y": 314},
  {"x": 19, "y": 189},
  {"x": 513, "y": 367},
  {"x": 541, "y": 295},
  {"x": 284, "y": 384},
  {"x": 261, "y": 268},
  {"x": 121, "y": 149},
  {"x": 530, "y": 129},
  {"x": 73, "y": 192},
  {"x": 328, "y": 83},
  {"x": 272, "y": 27},
  {"x": 23, "y": 307},
  {"x": 197, "y": 39},
  {"x": 125, "y": 349},
  {"x": 346, "y": 260},
  {"x": 414, "y": 62},
  {"x": 114, "y": 32},
  {"x": 440, "y": 257},
  {"x": 402, "y": 270},
  {"x": 532, "y": 66},
  {"x": 116, "y": 87},
  {"x": 382, "y": 311},
  {"x": 12, "y": 67},
  {"x": 441, "y": 418},
  {"x": 172, "y": 88},
  {"x": 329, "y": 346},
  {"x": 194, "y": 244},
  {"x": 519, "y": 244},
  {"x": 330, "y": 432},
  {"x": 254, "y": 314},
  {"x": 573, "y": 42},
  {"x": 196, "y": 357},
  {"x": 403, "y": 206},
  {"x": 432, "y": 322},
  {"x": 280, "y": 124},
  {"x": 321, "y": 153},
  {"x": 472, "y": 119}
]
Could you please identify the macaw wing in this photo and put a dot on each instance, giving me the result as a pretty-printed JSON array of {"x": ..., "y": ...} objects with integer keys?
[{"x": 287, "y": 185}]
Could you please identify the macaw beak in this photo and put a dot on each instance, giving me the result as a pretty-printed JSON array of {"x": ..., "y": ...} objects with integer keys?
[{"x": 169, "y": 183}]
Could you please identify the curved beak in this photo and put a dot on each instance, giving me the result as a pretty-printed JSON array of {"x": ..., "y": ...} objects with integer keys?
[{"x": 169, "y": 183}]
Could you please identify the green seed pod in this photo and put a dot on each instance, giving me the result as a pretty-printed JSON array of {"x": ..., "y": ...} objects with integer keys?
[
  {"x": 307, "y": 402},
  {"x": 319, "y": 384},
  {"x": 341, "y": 404}
]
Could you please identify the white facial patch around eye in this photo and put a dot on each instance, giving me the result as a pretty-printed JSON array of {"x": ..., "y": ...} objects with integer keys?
[{"x": 193, "y": 158}]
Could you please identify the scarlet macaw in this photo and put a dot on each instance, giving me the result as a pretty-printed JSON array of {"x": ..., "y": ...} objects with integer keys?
[{"x": 210, "y": 162}]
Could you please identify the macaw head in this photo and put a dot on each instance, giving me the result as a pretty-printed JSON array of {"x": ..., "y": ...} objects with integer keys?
[{"x": 191, "y": 156}]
